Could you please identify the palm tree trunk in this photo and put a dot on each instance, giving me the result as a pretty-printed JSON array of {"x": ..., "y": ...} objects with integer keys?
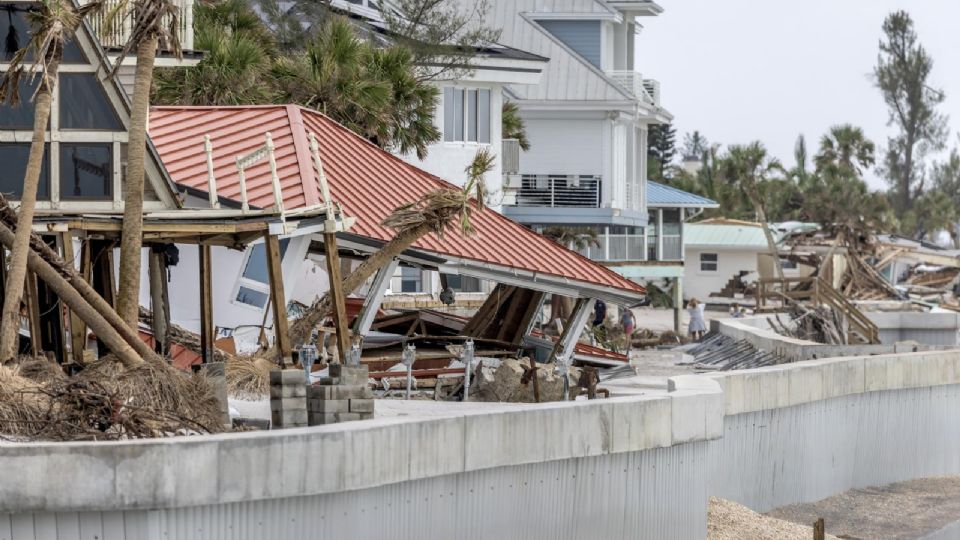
[
  {"x": 771, "y": 244},
  {"x": 301, "y": 329},
  {"x": 10, "y": 319},
  {"x": 131, "y": 241},
  {"x": 90, "y": 314}
]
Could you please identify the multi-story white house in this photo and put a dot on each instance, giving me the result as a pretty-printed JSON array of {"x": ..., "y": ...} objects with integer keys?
[{"x": 587, "y": 122}]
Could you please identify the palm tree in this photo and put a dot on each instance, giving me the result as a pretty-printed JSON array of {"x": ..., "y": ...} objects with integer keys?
[
  {"x": 53, "y": 23},
  {"x": 154, "y": 24},
  {"x": 434, "y": 212},
  {"x": 845, "y": 150},
  {"x": 371, "y": 90},
  {"x": 238, "y": 54},
  {"x": 574, "y": 239},
  {"x": 747, "y": 167},
  {"x": 513, "y": 126}
]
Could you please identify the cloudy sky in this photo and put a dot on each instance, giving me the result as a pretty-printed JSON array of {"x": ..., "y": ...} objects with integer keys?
[{"x": 743, "y": 70}]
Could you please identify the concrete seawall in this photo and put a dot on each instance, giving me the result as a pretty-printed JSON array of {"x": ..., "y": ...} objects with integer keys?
[{"x": 632, "y": 467}]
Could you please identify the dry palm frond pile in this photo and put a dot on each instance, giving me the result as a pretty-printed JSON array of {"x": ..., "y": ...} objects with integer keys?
[
  {"x": 249, "y": 376},
  {"x": 105, "y": 402}
]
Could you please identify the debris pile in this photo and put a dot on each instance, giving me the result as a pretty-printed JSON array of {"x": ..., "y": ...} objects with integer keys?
[
  {"x": 512, "y": 382},
  {"x": 718, "y": 352},
  {"x": 822, "y": 324}
]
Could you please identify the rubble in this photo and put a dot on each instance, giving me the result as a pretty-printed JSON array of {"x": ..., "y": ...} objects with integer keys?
[{"x": 505, "y": 382}]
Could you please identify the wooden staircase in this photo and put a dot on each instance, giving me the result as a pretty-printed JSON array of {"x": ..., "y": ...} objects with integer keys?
[{"x": 775, "y": 293}]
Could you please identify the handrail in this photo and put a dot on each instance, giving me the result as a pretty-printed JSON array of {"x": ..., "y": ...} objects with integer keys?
[{"x": 821, "y": 293}]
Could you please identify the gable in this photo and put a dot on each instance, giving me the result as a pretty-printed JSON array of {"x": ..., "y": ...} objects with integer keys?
[
  {"x": 87, "y": 135},
  {"x": 584, "y": 37}
]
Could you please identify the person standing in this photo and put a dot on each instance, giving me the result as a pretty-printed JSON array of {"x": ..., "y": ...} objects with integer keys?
[
  {"x": 698, "y": 325},
  {"x": 599, "y": 313},
  {"x": 628, "y": 321}
]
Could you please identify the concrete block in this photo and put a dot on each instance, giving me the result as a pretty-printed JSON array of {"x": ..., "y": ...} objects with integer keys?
[
  {"x": 320, "y": 419},
  {"x": 841, "y": 376},
  {"x": 349, "y": 375},
  {"x": 361, "y": 405},
  {"x": 697, "y": 409},
  {"x": 347, "y": 416},
  {"x": 354, "y": 391},
  {"x": 288, "y": 419},
  {"x": 330, "y": 405},
  {"x": 328, "y": 380},
  {"x": 288, "y": 390},
  {"x": 288, "y": 404},
  {"x": 320, "y": 392},
  {"x": 287, "y": 376},
  {"x": 369, "y": 416}
]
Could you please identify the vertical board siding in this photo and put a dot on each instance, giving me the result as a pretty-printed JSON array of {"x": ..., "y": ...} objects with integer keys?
[{"x": 765, "y": 459}]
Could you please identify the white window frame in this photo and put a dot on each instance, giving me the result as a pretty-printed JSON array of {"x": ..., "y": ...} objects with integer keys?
[
  {"x": 715, "y": 263},
  {"x": 466, "y": 116},
  {"x": 244, "y": 282}
]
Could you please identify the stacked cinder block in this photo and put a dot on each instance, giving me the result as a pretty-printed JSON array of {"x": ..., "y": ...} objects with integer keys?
[
  {"x": 341, "y": 397},
  {"x": 288, "y": 398}
]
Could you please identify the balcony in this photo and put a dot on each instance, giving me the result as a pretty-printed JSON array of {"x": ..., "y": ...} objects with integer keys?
[
  {"x": 646, "y": 90},
  {"x": 558, "y": 191},
  {"x": 116, "y": 36}
]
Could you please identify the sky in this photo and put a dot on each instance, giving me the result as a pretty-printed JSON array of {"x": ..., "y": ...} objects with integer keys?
[{"x": 745, "y": 70}]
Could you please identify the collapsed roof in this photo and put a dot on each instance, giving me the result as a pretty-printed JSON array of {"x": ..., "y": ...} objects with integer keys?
[{"x": 369, "y": 183}]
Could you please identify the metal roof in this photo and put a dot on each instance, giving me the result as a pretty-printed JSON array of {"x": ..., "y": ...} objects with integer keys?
[
  {"x": 369, "y": 182},
  {"x": 661, "y": 195},
  {"x": 715, "y": 235}
]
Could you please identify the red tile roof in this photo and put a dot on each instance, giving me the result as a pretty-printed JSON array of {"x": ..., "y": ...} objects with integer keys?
[{"x": 366, "y": 180}]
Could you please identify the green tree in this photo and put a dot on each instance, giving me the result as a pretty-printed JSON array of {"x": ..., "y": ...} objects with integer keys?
[
  {"x": 902, "y": 74},
  {"x": 845, "y": 151},
  {"x": 238, "y": 54},
  {"x": 694, "y": 145},
  {"x": 372, "y": 90},
  {"x": 946, "y": 181},
  {"x": 513, "y": 127},
  {"x": 748, "y": 167},
  {"x": 800, "y": 174},
  {"x": 661, "y": 147},
  {"x": 53, "y": 23}
]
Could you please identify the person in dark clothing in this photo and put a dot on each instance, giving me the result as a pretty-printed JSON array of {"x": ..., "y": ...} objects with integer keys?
[{"x": 599, "y": 313}]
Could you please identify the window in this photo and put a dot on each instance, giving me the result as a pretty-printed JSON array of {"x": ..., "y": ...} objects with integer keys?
[
  {"x": 86, "y": 171},
  {"x": 465, "y": 284},
  {"x": 584, "y": 37},
  {"x": 15, "y": 34},
  {"x": 788, "y": 264},
  {"x": 254, "y": 288},
  {"x": 411, "y": 280},
  {"x": 83, "y": 104},
  {"x": 708, "y": 262},
  {"x": 14, "y": 159},
  {"x": 466, "y": 115},
  {"x": 19, "y": 116}
]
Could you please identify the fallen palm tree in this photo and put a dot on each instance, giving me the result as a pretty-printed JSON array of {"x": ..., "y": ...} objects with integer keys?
[{"x": 435, "y": 212}]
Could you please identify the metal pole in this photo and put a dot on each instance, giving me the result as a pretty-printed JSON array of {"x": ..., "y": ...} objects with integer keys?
[
  {"x": 468, "y": 353},
  {"x": 408, "y": 358}
]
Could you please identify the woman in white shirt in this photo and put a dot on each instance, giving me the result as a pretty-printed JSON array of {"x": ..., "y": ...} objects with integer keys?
[{"x": 698, "y": 325}]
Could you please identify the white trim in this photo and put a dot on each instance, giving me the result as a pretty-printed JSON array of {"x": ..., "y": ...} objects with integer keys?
[{"x": 573, "y": 16}]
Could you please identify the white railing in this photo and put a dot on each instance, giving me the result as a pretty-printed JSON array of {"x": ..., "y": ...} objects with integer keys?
[
  {"x": 510, "y": 156},
  {"x": 116, "y": 35},
  {"x": 559, "y": 191},
  {"x": 647, "y": 90}
]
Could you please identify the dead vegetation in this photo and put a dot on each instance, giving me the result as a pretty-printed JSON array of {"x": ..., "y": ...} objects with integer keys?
[{"x": 727, "y": 520}]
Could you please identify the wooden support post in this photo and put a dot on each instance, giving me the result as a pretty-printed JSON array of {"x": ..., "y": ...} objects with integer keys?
[
  {"x": 78, "y": 330},
  {"x": 159, "y": 299},
  {"x": 33, "y": 312},
  {"x": 206, "y": 305},
  {"x": 278, "y": 300},
  {"x": 819, "y": 529},
  {"x": 677, "y": 304},
  {"x": 337, "y": 298}
]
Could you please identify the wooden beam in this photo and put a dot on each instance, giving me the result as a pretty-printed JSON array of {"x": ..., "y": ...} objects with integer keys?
[
  {"x": 206, "y": 305},
  {"x": 78, "y": 330},
  {"x": 572, "y": 329},
  {"x": 337, "y": 297},
  {"x": 278, "y": 300},
  {"x": 33, "y": 312},
  {"x": 381, "y": 282},
  {"x": 159, "y": 299}
]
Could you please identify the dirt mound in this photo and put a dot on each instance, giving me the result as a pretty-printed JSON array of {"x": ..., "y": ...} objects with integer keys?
[{"x": 727, "y": 520}]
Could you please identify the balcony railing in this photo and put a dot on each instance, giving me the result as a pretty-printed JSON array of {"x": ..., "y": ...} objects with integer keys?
[
  {"x": 117, "y": 34},
  {"x": 641, "y": 89},
  {"x": 559, "y": 191}
]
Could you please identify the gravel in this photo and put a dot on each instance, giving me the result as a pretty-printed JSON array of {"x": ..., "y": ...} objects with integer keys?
[{"x": 727, "y": 520}]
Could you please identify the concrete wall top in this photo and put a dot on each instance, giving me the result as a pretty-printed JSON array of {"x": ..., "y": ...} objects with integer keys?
[
  {"x": 757, "y": 331},
  {"x": 188, "y": 471}
]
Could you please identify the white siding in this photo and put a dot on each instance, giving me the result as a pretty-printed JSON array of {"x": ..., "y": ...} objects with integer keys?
[
  {"x": 551, "y": 142},
  {"x": 701, "y": 285}
]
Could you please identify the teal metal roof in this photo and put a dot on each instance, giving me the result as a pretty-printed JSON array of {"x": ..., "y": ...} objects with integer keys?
[
  {"x": 717, "y": 235},
  {"x": 660, "y": 195}
]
